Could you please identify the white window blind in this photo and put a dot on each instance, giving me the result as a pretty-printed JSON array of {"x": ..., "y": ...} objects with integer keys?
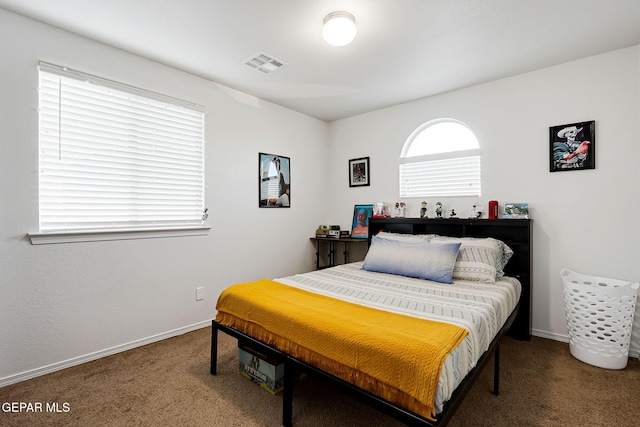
[
  {"x": 441, "y": 158},
  {"x": 114, "y": 157},
  {"x": 453, "y": 177}
]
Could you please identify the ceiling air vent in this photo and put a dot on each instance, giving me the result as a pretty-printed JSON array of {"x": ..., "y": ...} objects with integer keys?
[{"x": 264, "y": 62}]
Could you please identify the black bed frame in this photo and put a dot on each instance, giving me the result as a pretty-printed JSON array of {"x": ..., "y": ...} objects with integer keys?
[{"x": 516, "y": 233}]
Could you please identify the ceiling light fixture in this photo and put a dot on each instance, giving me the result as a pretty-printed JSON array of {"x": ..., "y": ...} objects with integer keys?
[{"x": 339, "y": 28}]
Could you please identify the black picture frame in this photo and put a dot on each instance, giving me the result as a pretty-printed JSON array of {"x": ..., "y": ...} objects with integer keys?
[
  {"x": 360, "y": 223},
  {"x": 572, "y": 146},
  {"x": 274, "y": 181},
  {"x": 359, "y": 172}
]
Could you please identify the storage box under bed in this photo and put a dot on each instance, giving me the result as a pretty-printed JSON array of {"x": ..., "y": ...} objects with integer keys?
[{"x": 260, "y": 368}]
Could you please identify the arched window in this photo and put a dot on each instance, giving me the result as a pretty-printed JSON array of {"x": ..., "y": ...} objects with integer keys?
[{"x": 441, "y": 158}]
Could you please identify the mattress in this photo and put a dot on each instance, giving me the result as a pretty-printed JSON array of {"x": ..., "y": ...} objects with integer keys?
[{"x": 480, "y": 308}]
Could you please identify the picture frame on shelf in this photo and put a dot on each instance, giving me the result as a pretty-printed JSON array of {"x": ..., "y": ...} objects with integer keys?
[
  {"x": 274, "y": 181},
  {"x": 360, "y": 222},
  {"x": 359, "y": 172},
  {"x": 516, "y": 211},
  {"x": 572, "y": 146}
]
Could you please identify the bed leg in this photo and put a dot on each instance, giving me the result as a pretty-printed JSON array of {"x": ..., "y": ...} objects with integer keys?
[
  {"x": 214, "y": 347},
  {"x": 287, "y": 395},
  {"x": 496, "y": 370}
]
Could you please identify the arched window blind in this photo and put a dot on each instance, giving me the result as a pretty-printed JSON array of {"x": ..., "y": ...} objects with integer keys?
[
  {"x": 441, "y": 158},
  {"x": 114, "y": 157}
]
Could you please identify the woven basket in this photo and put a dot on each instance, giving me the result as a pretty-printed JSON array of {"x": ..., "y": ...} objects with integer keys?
[{"x": 599, "y": 318}]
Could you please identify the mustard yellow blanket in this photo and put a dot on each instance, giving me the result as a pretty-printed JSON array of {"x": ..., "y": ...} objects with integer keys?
[{"x": 396, "y": 357}]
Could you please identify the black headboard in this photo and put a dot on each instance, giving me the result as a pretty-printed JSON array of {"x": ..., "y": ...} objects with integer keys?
[{"x": 516, "y": 233}]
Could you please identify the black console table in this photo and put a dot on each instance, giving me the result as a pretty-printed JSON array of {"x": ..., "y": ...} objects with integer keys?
[{"x": 332, "y": 248}]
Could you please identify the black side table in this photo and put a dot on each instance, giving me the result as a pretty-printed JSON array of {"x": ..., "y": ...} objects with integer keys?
[{"x": 332, "y": 248}]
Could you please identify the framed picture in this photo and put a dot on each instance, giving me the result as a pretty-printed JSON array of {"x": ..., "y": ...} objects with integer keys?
[
  {"x": 274, "y": 181},
  {"x": 359, "y": 172},
  {"x": 572, "y": 146},
  {"x": 516, "y": 211},
  {"x": 360, "y": 223}
]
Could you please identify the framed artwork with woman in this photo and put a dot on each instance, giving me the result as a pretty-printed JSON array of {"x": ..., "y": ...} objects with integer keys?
[
  {"x": 274, "y": 181},
  {"x": 360, "y": 222}
]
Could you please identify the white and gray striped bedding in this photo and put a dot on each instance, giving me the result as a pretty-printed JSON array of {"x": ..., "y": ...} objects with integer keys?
[{"x": 481, "y": 308}]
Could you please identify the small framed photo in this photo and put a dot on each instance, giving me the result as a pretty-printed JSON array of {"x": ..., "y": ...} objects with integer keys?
[
  {"x": 572, "y": 146},
  {"x": 516, "y": 211},
  {"x": 359, "y": 173},
  {"x": 274, "y": 181},
  {"x": 360, "y": 223}
]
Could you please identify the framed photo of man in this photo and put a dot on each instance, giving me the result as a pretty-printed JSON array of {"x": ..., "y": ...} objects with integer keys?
[
  {"x": 360, "y": 222},
  {"x": 572, "y": 146},
  {"x": 359, "y": 173},
  {"x": 274, "y": 181}
]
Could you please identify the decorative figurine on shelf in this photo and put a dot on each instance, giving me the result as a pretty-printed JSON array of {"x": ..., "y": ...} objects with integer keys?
[
  {"x": 439, "y": 210},
  {"x": 402, "y": 210},
  {"x": 396, "y": 210},
  {"x": 475, "y": 213},
  {"x": 423, "y": 210},
  {"x": 453, "y": 214},
  {"x": 478, "y": 213},
  {"x": 381, "y": 210}
]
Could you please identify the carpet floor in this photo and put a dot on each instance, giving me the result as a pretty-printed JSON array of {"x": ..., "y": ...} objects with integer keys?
[{"x": 168, "y": 384}]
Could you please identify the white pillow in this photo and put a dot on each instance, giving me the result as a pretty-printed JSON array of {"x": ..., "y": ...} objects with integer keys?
[
  {"x": 480, "y": 259},
  {"x": 430, "y": 261},
  {"x": 408, "y": 238},
  {"x": 503, "y": 258}
]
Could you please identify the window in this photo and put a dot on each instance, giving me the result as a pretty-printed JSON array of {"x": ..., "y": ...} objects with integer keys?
[
  {"x": 114, "y": 157},
  {"x": 441, "y": 158}
]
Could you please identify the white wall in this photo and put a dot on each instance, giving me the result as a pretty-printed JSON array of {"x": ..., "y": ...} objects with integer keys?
[
  {"x": 582, "y": 220},
  {"x": 61, "y": 304},
  {"x": 64, "y": 303}
]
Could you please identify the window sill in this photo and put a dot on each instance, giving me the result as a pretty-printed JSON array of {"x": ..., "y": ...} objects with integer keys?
[{"x": 98, "y": 236}]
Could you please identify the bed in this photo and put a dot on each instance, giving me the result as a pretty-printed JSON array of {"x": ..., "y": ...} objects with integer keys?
[{"x": 419, "y": 341}]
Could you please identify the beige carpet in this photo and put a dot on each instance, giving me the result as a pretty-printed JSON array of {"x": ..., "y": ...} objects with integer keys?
[{"x": 168, "y": 384}]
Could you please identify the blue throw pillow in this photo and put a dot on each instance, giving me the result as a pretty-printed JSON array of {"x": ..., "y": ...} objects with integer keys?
[{"x": 430, "y": 261}]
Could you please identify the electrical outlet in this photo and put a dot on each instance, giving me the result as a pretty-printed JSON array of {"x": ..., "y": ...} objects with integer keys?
[{"x": 199, "y": 293}]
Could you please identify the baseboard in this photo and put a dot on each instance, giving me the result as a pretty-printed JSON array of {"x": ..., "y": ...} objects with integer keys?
[
  {"x": 550, "y": 335},
  {"x": 23, "y": 376},
  {"x": 565, "y": 338}
]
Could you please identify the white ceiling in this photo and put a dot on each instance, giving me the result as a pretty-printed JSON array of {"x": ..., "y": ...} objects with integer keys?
[{"x": 404, "y": 50}]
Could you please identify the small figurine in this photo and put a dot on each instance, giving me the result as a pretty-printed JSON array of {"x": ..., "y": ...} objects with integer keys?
[
  {"x": 475, "y": 213},
  {"x": 478, "y": 213},
  {"x": 402, "y": 211},
  {"x": 396, "y": 210},
  {"x": 423, "y": 210},
  {"x": 438, "y": 210},
  {"x": 381, "y": 210},
  {"x": 453, "y": 214}
]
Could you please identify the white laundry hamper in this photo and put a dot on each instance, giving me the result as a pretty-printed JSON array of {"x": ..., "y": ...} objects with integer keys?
[{"x": 599, "y": 318}]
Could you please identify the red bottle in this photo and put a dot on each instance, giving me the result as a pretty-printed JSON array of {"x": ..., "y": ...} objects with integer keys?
[{"x": 493, "y": 209}]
